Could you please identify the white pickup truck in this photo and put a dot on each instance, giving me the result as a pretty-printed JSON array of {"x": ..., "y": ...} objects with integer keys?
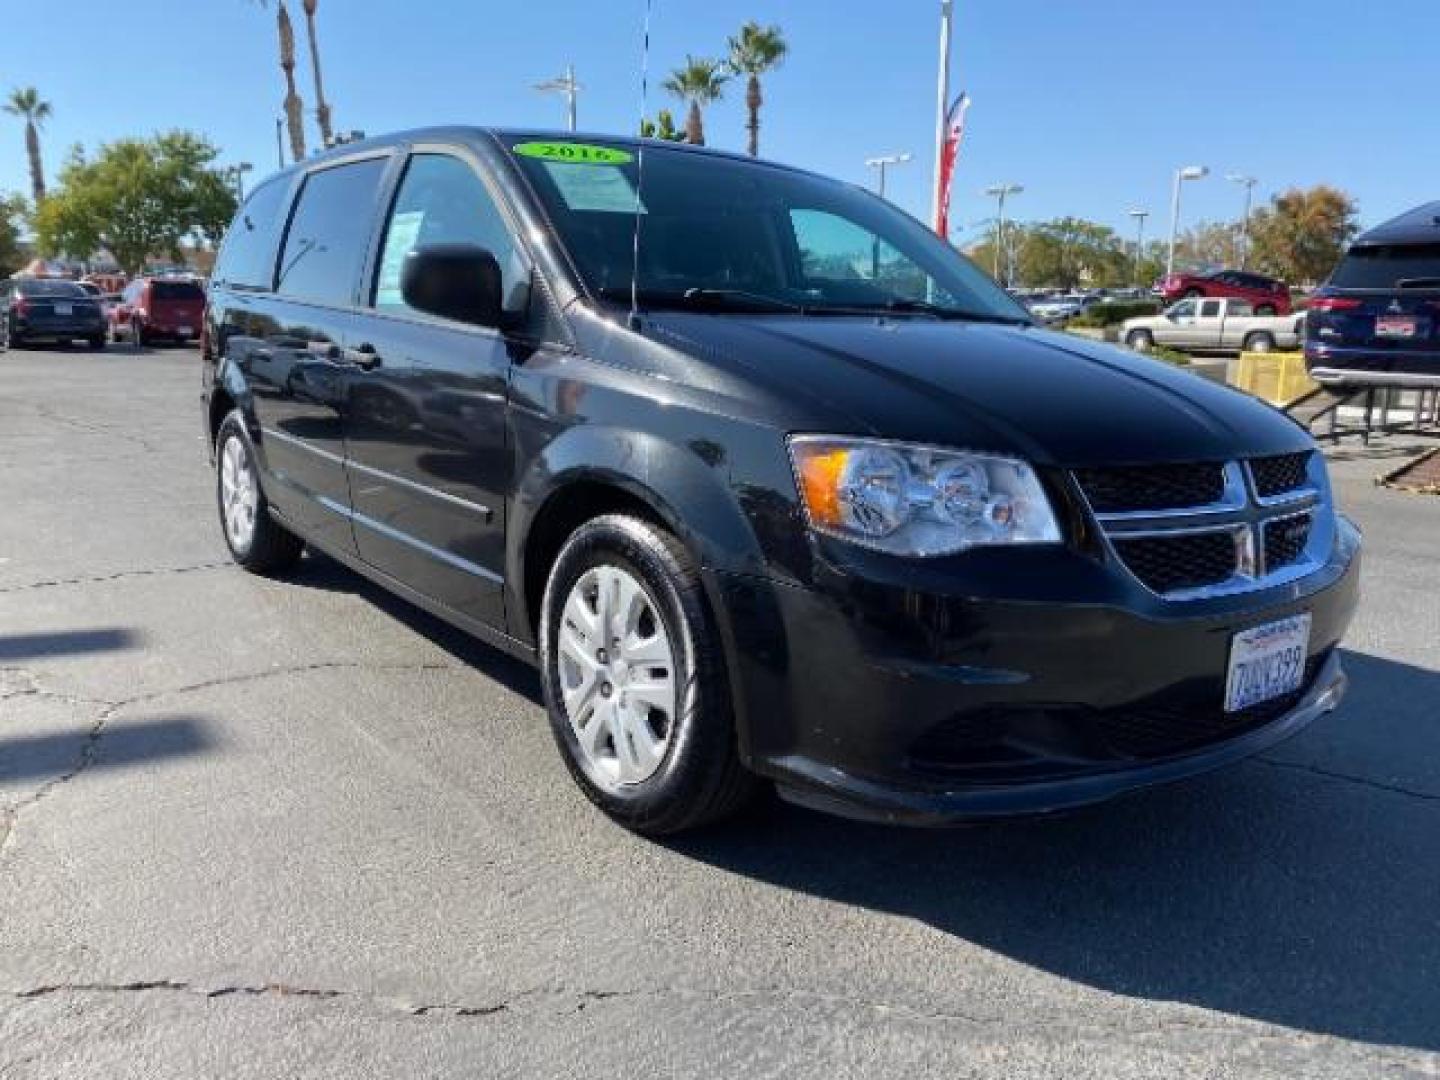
[{"x": 1206, "y": 323}]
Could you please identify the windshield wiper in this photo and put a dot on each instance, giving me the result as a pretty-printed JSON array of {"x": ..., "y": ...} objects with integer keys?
[
  {"x": 1418, "y": 283},
  {"x": 902, "y": 306},
  {"x": 707, "y": 299}
]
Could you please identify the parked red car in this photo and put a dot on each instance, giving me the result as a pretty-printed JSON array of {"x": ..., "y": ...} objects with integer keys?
[
  {"x": 1268, "y": 296},
  {"x": 152, "y": 308}
]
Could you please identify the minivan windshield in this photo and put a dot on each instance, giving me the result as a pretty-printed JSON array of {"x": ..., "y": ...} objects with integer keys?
[
  {"x": 722, "y": 234},
  {"x": 1389, "y": 266}
]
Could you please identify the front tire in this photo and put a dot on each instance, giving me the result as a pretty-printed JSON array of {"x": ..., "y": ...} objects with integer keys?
[
  {"x": 256, "y": 541},
  {"x": 634, "y": 680}
]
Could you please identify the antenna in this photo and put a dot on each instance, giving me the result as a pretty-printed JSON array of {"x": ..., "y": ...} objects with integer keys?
[{"x": 640, "y": 173}]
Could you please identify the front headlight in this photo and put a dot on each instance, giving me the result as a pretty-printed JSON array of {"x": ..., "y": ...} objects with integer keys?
[{"x": 918, "y": 500}]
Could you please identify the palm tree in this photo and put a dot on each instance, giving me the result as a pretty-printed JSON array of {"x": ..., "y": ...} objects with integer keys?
[
  {"x": 700, "y": 82},
  {"x": 294, "y": 109},
  {"x": 26, "y": 103},
  {"x": 322, "y": 107},
  {"x": 755, "y": 51}
]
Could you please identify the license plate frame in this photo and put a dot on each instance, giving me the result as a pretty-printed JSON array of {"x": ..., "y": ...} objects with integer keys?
[
  {"x": 1396, "y": 327},
  {"x": 1267, "y": 661},
  {"x": 64, "y": 309}
]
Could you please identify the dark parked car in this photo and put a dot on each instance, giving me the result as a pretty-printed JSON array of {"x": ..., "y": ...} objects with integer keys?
[
  {"x": 159, "y": 308},
  {"x": 1377, "y": 320},
  {"x": 1266, "y": 295},
  {"x": 769, "y": 481},
  {"x": 49, "y": 309}
]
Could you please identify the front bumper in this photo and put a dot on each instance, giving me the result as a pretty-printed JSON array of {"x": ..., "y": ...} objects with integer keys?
[{"x": 893, "y": 701}]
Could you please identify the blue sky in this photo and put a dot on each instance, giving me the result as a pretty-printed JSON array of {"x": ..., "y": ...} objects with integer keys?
[{"x": 1090, "y": 105}]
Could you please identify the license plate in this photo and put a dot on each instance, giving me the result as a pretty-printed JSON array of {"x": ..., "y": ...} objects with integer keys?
[
  {"x": 185, "y": 331},
  {"x": 1394, "y": 326},
  {"x": 1267, "y": 662},
  {"x": 64, "y": 309}
]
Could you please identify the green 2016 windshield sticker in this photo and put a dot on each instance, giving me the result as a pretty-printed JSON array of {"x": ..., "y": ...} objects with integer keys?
[{"x": 573, "y": 153}]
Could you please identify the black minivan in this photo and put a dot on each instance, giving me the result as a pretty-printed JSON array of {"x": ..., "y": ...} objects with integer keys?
[
  {"x": 772, "y": 484},
  {"x": 1376, "y": 322}
]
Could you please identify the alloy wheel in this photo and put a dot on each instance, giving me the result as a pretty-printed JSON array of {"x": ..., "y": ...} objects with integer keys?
[
  {"x": 617, "y": 676},
  {"x": 239, "y": 494}
]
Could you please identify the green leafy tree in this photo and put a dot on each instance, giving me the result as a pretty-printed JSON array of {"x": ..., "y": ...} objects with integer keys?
[
  {"x": 1207, "y": 245},
  {"x": 756, "y": 50},
  {"x": 137, "y": 198},
  {"x": 700, "y": 82},
  {"x": 26, "y": 104},
  {"x": 1301, "y": 235},
  {"x": 12, "y": 218},
  {"x": 662, "y": 127}
]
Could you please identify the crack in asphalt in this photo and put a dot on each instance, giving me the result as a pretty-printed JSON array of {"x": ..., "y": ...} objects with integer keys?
[
  {"x": 120, "y": 575},
  {"x": 1351, "y": 778},
  {"x": 90, "y": 746}
]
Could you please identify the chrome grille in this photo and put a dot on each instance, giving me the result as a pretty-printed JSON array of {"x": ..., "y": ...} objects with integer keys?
[
  {"x": 1181, "y": 533},
  {"x": 1280, "y": 474},
  {"x": 1151, "y": 487}
]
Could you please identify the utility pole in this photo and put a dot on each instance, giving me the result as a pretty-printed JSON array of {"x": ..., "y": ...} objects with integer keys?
[
  {"x": 942, "y": 104},
  {"x": 1139, "y": 216},
  {"x": 1000, "y": 192},
  {"x": 1248, "y": 183},
  {"x": 566, "y": 85}
]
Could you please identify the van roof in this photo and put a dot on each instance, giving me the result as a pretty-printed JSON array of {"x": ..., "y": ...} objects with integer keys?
[{"x": 1418, "y": 226}]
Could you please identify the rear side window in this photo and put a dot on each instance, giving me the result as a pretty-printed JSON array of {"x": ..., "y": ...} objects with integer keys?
[
  {"x": 1389, "y": 266},
  {"x": 325, "y": 244},
  {"x": 176, "y": 290},
  {"x": 247, "y": 259},
  {"x": 1210, "y": 309}
]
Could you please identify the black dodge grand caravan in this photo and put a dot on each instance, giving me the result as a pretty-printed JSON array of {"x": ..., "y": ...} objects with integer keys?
[{"x": 771, "y": 483}]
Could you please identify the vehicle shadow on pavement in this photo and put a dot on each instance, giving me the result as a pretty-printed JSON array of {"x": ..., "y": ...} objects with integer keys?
[
  {"x": 26, "y": 758},
  {"x": 66, "y": 643},
  {"x": 1301, "y": 889},
  {"x": 317, "y": 571}
]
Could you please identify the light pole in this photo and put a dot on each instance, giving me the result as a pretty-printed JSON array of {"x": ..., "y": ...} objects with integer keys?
[
  {"x": 1189, "y": 172},
  {"x": 942, "y": 103},
  {"x": 882, "y": 163},
  {"x": 1139, "y": 216},
  {"x": 1248, "y": 183},
  {"x": 1001, "y": 192},
  {"x": 566, "y": 85},
  {"x": 237, "y": 173}
]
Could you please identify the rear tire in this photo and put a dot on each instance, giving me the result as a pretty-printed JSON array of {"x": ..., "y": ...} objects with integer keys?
[
  {"x": 1259, "y": 342},
  {"x": 659, "y": 753},
  {"x": 1140, "y": 340},
  {"x": 256, "y": 540}
]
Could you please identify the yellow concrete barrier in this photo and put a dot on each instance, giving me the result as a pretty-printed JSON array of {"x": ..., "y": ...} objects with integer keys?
[{"x": 1278, "y": 378}]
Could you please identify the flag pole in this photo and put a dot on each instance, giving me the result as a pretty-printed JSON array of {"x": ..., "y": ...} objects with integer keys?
[{"x": 942, "y": 105}]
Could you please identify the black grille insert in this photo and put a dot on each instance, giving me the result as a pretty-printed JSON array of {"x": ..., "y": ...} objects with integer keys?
[
  {"x": 1285, "y": 540},
  {"x": 1280, "y": 474},
  {"x": 1179, "y": 560},
  {"x": 1152, "y": 487}
]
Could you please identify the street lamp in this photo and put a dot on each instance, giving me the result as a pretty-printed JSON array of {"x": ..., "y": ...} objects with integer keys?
[
  {"x": 237, "y": 174},
  {"x": 566, "y": 85},
  {"x": 1139, "y": 216},
  {"x": 1001, "y": 192},
  {"x": 1189, "y": 172},
  {"x": 1248, "y": 183},
  {"x": 882, "y": 163}
]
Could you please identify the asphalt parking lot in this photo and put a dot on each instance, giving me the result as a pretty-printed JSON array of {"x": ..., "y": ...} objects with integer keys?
[{"x": 253, "y": 828}]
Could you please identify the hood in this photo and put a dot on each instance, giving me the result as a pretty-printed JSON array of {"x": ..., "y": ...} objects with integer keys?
[{"x": 1054, "y": 398}]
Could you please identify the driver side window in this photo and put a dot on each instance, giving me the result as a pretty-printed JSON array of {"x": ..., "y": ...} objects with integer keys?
[{"x": 442, "y": 201}]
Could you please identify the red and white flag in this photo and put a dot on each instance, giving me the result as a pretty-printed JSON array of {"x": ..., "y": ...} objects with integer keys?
[{"x": 949, "y": 152}]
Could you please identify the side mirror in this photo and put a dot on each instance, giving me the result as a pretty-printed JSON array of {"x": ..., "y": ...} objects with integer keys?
[{"x": 453, "y": 281}]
